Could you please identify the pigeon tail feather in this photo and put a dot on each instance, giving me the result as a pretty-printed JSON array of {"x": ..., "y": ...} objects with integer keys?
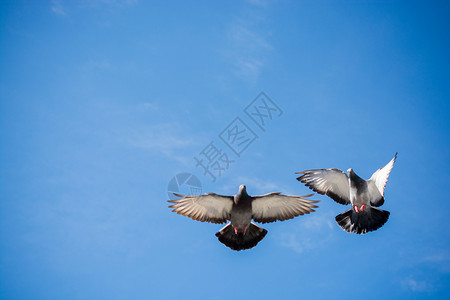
[
  {"x": 253, "y": 235},
  {"x": 363, "y": 222}
]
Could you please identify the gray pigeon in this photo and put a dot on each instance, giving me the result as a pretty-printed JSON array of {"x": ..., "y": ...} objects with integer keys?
[
  {"x": 363, "y": 195},
  {"x": 241, "y": 233}
]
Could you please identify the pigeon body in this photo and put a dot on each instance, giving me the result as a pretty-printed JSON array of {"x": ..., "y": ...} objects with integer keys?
[
  {"x": 241, "y": 233},
  {"x": 363, "y": 195}
]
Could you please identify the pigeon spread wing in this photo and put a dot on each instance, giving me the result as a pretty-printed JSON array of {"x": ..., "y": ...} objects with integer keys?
[
  {"x": 330, "y": 182},
  {"x": 378, "y": 181},
  {"x": 275, "y": 207},
  {"x": 211, "y": 207}
]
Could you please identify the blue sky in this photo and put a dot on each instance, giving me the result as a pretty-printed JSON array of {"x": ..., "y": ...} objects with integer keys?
[{"x": 104, "y": 102}]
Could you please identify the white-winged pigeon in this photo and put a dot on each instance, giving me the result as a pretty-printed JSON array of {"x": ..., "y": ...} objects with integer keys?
[{"x": 363, "y": 195}]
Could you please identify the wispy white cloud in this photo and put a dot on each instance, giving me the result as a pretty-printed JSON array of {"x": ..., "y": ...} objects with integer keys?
[
  {"x": 312, "y": 232},
  {"x": 149, "y": 106},
  {"x": 292, "y": 242},
  {"x": 98, "y": 65},
  {"x": 415, "y": 285},
  {"x": 107, "y": 3},
  {"x": 247, "y": 44},
  {"x": 60, "y": 7},
  {"x": 142, "y": 125},
  {"x": 440, "y": 258},
  {"x": 258, "y": 2},
  {"x": 260, "y": 186},
  {"x": 57, "y": 8},
  {"x": 319, "y": 222},
  {"x": 167, "y": 138},
  {"x": 117, "y": 2}
]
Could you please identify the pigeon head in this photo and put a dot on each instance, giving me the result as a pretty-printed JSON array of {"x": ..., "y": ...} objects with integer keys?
[
  {"x": 242, "y": 192},
  {"x": 352, "y": 175},
  {"x": 354, "y": 179}
]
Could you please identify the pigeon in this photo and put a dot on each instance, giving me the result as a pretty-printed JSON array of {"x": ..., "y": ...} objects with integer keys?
[
  {"x": 241, "y": 233},
  {"x": 363, "y": 195}
]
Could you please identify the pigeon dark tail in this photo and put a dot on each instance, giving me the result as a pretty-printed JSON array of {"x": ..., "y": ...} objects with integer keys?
[
  {"x": 363, "y": 222},
  {"x": 253, "y": 235}
]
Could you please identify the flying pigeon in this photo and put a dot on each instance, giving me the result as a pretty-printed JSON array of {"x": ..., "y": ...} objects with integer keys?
[
  {"x": 363, "y": 195},
  {"x": 241, "y": 233}
]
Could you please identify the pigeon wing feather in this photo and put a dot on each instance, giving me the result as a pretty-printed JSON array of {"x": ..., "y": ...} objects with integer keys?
[
  {"x": 211, "y": 207},
  {"x": 378, "y": 181},
  {"x": 330, "y": 182},
  {"x": 276, "y": 207}
]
